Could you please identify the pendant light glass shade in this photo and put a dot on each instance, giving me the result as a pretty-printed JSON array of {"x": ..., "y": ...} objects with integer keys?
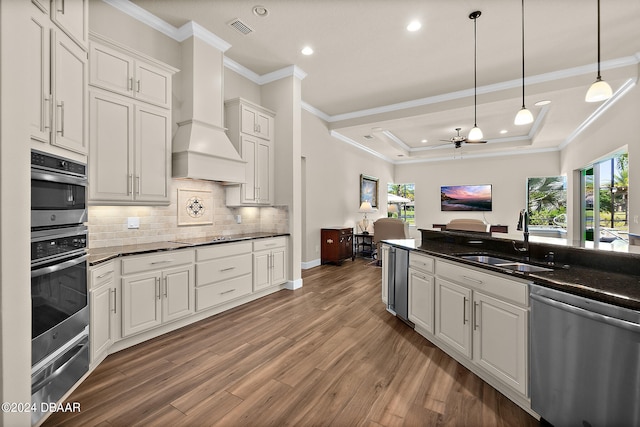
[
  {"x": 524, "y": 116},
  {"x": 475, "y": 134},
  {"x": 599, "y": 90}
]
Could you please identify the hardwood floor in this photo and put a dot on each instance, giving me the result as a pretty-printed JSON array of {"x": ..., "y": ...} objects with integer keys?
[{"x": 326, "y": 354}]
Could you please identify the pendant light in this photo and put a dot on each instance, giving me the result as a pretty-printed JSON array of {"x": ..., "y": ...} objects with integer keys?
[
  {"x": 475, "y": 134},
  {"x": 599, "y": 90},
  {"x": 524, "y": 116}
]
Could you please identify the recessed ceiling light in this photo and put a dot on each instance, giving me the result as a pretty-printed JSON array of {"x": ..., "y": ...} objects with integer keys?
[
  {"x": 424, "y": 141},
  {"x": 414, "y": 26},
  {"x": 503, "y": 131},
  {"x": 543, "y": 102},
  {"x": 307, "y": 50},
  {"x": 260, "y": 11}
]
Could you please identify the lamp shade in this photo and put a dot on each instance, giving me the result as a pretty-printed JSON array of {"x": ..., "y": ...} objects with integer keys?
[
  {"x": 599, "y": 91},
  {"x": 524, "y": 117},
  {"x": 365, "y": 207},
  {"x": 392, "y": 208},
  {"x": 475, "y": 134}
]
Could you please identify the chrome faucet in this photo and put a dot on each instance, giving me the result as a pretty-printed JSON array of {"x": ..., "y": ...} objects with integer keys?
[{"x": 523, "y": 225}]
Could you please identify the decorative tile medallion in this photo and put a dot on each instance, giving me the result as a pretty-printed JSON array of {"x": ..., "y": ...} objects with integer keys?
[{"x": 195, "y": 207}]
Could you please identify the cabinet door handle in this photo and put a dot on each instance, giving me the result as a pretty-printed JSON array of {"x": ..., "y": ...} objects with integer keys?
[
  {"x": 159, "y": 295},
  {"x": 227, "y": 292},
  {"x": 130, "y": 84},
  {"x": 166, "y": 287},
  {"x": 60, "y": 105},
  {"x": 115, "y": 300},
  {"x": 164, "y": 261},
  {"x": 227, "y": 269},
  {"x": 464, "y": 310},
  {"x": 130, "y": 184},
  {"x": 105, "y": 274},
  {"x": 138, "y": 181},
  {"x": 471, "y": 279},
  {"x": 475, "y": 316},
  {"x": 138, "y": 87},
  {"x": 46, "y": 114},
  {"x": 61, "y": 10}
]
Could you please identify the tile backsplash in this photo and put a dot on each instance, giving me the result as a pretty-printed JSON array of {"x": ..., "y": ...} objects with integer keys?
[{"x": 108, "y": 224}]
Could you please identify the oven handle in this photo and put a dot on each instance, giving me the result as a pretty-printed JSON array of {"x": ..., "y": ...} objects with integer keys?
[
  {"x": 54, "y": 177},
  {"x": 58, "y": 267},
  {"x": 48, "y": 379}
]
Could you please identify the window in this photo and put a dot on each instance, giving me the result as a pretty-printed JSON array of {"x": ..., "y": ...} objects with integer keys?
[
  {"x": 605, "y": 212},
  {"x": 547, "y": 204},
  {"x": 401, "y": 202}
]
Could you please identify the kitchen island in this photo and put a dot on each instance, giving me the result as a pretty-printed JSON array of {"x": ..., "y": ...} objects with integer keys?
[{"x": 471, "y": 295}]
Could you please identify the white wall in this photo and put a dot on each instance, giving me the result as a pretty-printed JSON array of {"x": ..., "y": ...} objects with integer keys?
[
  {"x": 332, "y": 192},
  {"x": 507, "y": 176},
  {"x": 617, "y": 127}
]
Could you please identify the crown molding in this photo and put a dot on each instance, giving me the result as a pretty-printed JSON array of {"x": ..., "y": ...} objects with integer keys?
[
  {"x": 350, "y": 141},
  {"x": 194, "y": 29}
]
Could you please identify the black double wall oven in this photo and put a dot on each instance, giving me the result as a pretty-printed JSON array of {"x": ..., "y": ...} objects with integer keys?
[{"x": 59, "y": 302}]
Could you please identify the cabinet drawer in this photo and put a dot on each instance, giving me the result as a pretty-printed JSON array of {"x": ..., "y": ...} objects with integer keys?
[
  {"x": 264, "y": 244},
  {"x": 219, "y": 293},
  {"x": 156, "y": 261},
  {"x": 420, "y": 262},
  {"x": 222, "y": 250},
  {"x": 222, "y": 269},
  {"x": 102, "y": 274},
  {"x": 502, "y": 287}
]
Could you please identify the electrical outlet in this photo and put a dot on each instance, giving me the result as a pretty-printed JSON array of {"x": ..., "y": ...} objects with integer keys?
[
  {"x": 238, "y": 219},
  {"x": 133, "y": 222},
  {"x": 635, "y": 219}
]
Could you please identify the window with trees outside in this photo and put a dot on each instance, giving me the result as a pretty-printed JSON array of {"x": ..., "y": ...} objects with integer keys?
[
  {"x": 605, "y": 190},
  {"x": 401, "y": 202},
  {"x": 547, "y": 204}
]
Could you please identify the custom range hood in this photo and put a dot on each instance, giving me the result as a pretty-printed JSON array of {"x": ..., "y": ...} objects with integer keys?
[{"x": 201, "y": 149}]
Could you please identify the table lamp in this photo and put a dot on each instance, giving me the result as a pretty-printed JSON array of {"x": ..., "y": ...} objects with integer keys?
[{"x": 365, "y": 208}]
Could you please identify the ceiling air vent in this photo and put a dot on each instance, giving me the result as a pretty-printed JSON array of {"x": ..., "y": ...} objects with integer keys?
[{"x": 240, "y": 26}]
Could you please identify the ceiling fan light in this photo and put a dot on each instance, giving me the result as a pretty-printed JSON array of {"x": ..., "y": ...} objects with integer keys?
[
  {"x": 475, "y": 134},
  {"x": 599, "y": 91},
  {"x": 524, "y": 117}
]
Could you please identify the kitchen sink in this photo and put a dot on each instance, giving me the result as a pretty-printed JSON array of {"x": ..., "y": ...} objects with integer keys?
[{"x": 504, "y": 263}]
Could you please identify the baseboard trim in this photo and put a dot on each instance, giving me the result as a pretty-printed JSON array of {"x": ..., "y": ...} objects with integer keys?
[{"x": 310, "y": 264}]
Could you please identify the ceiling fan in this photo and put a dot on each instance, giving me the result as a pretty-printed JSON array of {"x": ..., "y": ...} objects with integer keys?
[{"x": 459, "y": 139}]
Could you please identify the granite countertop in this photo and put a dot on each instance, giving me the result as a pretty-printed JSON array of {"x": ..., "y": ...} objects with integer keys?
[
  {"x": 99, "y": 255},
  {"x": 610, "y": 285}
]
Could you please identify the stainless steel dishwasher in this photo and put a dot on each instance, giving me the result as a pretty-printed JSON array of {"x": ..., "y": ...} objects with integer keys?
[{"x": 585, "y": 360}]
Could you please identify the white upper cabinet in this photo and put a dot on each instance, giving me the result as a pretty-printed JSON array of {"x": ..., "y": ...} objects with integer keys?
[
  {"x": 123, "y": 73},
  {"x": 72, "y": 18},
  {"x": 251, "y": 129},
  {"x": 58, "y": 92}
]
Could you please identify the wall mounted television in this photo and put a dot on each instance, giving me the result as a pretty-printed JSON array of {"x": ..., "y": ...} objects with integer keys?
[{"x": 465, "y": 198}]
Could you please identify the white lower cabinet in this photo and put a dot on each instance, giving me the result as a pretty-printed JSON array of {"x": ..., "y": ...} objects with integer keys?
[
  {"x": 104, "y": 305},
  {"x": 421, "y": 292},
  {"x": 484, "y": 317},
  {"x": 269, "y": 262},
  {"x": 223, "y": 273},
  {"x": 155, "y": 297}
]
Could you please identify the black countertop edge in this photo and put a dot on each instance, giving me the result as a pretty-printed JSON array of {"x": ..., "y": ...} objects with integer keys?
[
  {"x": 610, "y": 287},
  {"x": 100, "y": 255}
]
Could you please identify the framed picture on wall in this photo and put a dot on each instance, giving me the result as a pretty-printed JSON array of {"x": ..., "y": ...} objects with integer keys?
[{"x": 369, "y": 190}]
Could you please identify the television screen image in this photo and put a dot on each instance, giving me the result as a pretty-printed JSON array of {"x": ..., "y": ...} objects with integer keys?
[{"x": 465, "y": 198}]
